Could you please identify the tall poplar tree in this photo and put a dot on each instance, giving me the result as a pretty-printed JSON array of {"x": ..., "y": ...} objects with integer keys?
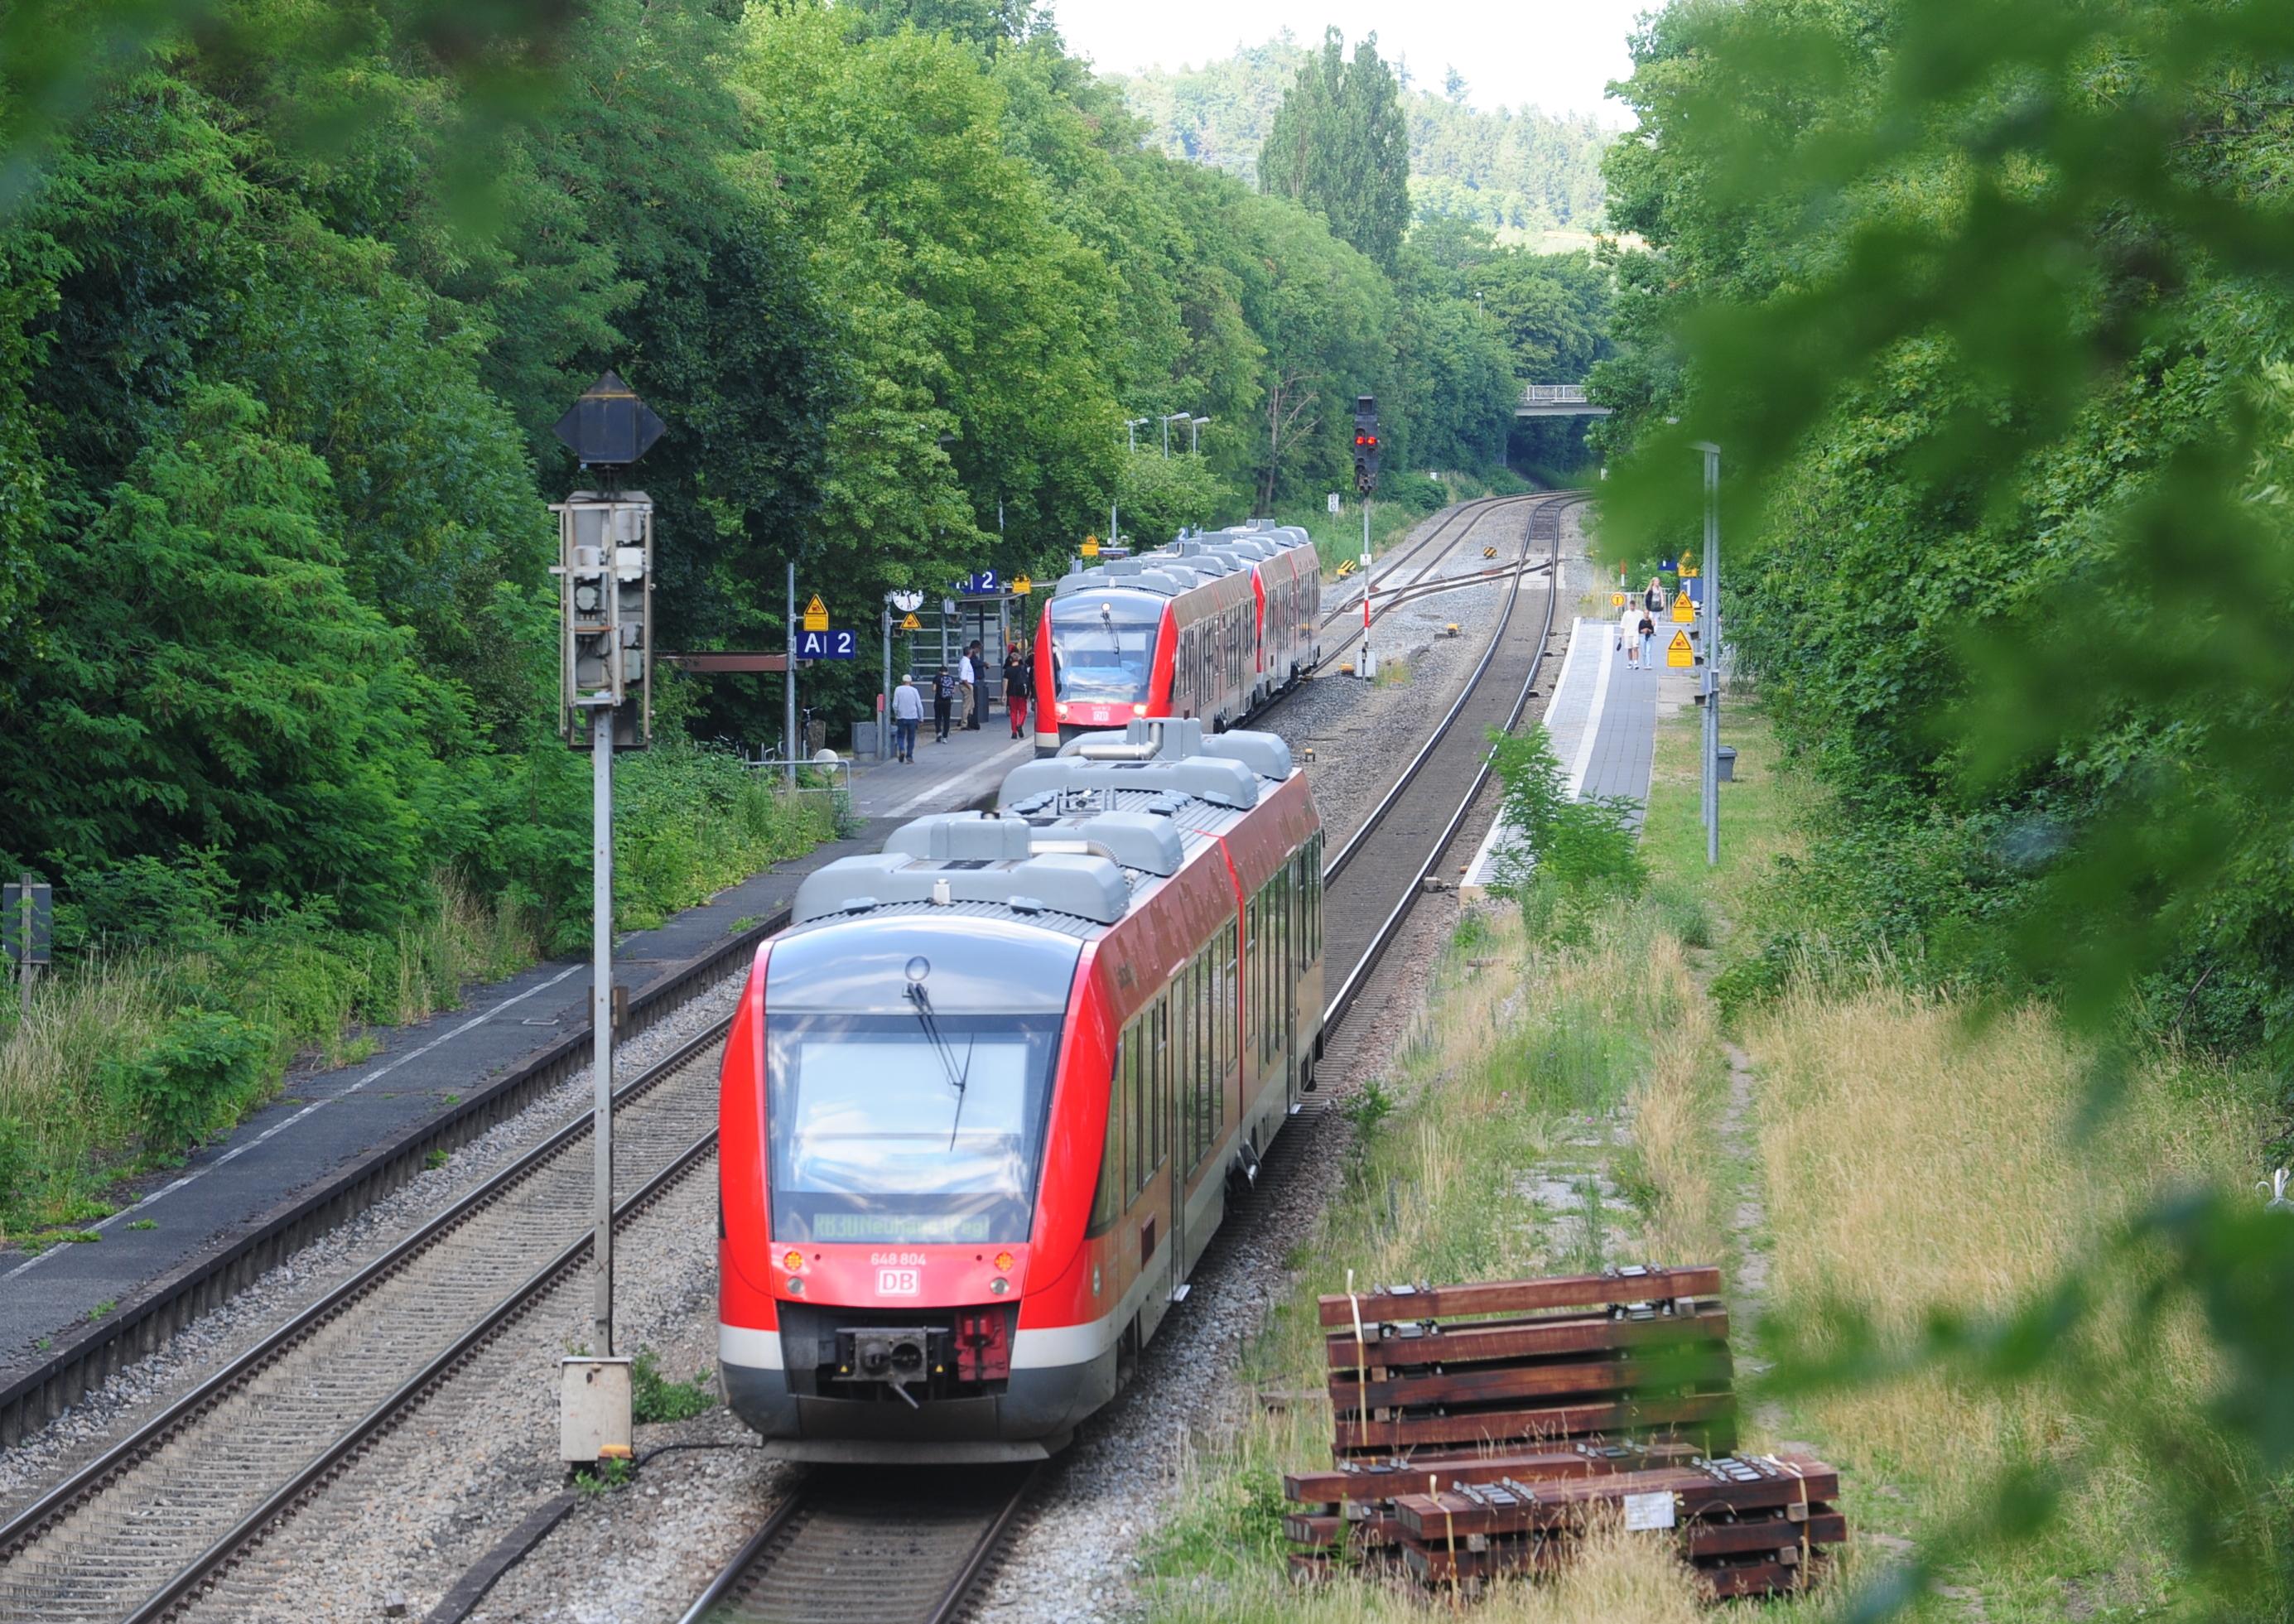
[{"x": 1340, "y": 145}]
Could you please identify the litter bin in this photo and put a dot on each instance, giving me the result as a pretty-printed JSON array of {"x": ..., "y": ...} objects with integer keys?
[{"x": 1727, "y": 757}]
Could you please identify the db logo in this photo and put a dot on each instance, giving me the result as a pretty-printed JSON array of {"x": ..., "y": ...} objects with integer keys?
[{"x": 899, "y": 1282}]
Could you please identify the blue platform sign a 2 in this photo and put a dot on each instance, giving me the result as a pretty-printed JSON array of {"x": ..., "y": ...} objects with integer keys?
[
  {"x": 827, "y": 646},
  {"x": 987, "y": 583}
]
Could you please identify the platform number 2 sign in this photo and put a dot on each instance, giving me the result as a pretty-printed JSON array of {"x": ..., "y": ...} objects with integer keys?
[{"x": 827, "y": 646}]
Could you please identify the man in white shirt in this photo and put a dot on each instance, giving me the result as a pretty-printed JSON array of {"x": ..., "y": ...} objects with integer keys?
[
  {"x": 966, "y": 674},
  {"x": 907, "y": 710}
]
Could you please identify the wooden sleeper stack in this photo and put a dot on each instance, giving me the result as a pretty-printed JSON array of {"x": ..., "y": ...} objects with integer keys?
[{"x": 1530, "y": 1406}]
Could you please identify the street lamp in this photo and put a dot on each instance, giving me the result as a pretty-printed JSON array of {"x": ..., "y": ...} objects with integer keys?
[
  {"x": 1194, "y": 432},
  {"x": 1133, "y": 424},
  {"x": 1166, "y": 420}
]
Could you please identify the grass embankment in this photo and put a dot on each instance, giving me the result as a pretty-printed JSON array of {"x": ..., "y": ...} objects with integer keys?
[
  {"x": 132, "y": 1054},
  {"x": 1566, "y": 1100}
]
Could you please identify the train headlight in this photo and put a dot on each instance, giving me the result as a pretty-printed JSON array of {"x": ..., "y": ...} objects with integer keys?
[
  {"x": 794, "y": 1261},
  {"x": 1060, "y": 710},
  {"x": 1138, "y": 710},
  {"x": 999, "y": 1285},
  {"x": 1003, "y": 1263},
  {"x": 796, "y": 1287}
]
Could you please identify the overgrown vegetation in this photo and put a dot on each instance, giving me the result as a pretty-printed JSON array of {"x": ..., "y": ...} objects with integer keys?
[
  {"x": 1989, "y": 321},
  {"x": 654, "y": 1397}
]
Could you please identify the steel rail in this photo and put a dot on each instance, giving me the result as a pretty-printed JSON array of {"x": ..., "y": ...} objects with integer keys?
[
  {"x": 820, "y": 1510},
  {"x": 44, "y": 1515},
  {"x": 1396, "y": 595},
  {"x": 410, "y": 1392},
  {"x": 33, "y": 1520},
  {"x": 1351, "y": 988},
  {"x": 1346, "y": 854}
]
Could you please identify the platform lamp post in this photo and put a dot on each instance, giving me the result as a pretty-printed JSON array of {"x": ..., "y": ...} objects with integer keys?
[
  {"x": 1711, "y": 773},
  {"x": 605, "y": 573},
  {"x": 1195, "y": 427},
  {"x": 1166, "y": 420}
]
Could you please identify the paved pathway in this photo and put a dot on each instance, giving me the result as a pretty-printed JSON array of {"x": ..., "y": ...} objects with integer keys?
[
  {"x": 327, "y": 1117},
  {"x": 1602, "y": 723}
]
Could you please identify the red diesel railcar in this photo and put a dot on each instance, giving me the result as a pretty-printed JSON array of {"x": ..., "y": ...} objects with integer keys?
[
  {"x": 1210, "y": 628},
  {"x": 984, "y": 1102}
]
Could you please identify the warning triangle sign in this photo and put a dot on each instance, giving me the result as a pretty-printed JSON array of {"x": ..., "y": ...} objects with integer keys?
[
  {"x": 816, "y": 614},
  {"x": 1678, "y": 652}
]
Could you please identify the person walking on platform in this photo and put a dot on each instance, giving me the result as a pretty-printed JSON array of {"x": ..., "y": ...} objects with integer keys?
[
  {"x": 975, "y": 704},
  {"x": 907, "y": 710},
  {"x": 967, "y": 677},
  {"x": 1652, "y": 599},
  {"x": 1015, "y": 688},
  {"x": 1628, "y": 637},
  {"x": 1645, "y": 634},
  {"x": 943, "y": 704}
]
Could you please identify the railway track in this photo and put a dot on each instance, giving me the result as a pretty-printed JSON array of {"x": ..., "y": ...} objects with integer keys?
[
  {"x": 146, "y": 1524},
  {"x": 150, "y": 1523},
  {"x": 827, "y": 1550},
  {"x": 847, "y": 1544},
  {"x": 1443, "y": 540}
]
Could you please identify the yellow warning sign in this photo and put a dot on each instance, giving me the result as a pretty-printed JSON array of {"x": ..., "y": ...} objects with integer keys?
[
  {"x": 1684, "y": 609},
  {"x": 1023, "y": 585},
  {"x": 1346, "y": 569},
  {"x": 1091, "y": 546},
  {"x": 909, "y": 623},
  {"x": 816, "y": 614},
  {"x": 1688, "y": 570},
  {"x": 1617, "y": 600},
  {"x": 1489, "y": 552},
  {"x": 1678, "y": 652}
]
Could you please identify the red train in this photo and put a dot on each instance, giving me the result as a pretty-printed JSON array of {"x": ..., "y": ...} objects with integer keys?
[
  {"x": 985, "y": 1101},
  {"x": 1210, "y": 627}
]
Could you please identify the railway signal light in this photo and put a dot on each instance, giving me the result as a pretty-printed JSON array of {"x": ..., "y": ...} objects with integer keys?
[{"x": 1366, "y": 443}]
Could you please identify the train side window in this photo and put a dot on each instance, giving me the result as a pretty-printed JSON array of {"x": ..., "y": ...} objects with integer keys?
[
  {"x": 1134, "y": 1107},
  {"x": 1107, "y": 1200},
  {"x": 1230, "y": 1050}
]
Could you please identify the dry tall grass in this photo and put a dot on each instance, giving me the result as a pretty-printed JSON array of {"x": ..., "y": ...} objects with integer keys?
[
  {"x": 1535, "y": 1063},
  {"x": 1917, "y": 1163}
]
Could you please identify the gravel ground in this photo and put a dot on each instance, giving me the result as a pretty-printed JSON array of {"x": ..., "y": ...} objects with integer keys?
[
  {"x": 109, "y": 1411},
  {"x": 434, "y": 1494}
]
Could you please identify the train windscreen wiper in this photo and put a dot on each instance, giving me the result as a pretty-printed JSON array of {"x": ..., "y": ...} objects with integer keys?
[{"x": 959, "y": 1078}]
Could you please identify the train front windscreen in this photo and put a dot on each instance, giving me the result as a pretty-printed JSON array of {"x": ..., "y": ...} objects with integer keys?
[
  {"x": 907, "y": 1086},
  {"x": 1104, "y": 646}
]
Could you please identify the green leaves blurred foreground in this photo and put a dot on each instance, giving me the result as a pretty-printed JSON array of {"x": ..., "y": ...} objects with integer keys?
[{"x": 1990, "y": 309}]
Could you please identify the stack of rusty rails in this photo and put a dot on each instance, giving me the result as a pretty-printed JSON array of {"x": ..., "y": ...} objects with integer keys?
[
  {"x": 1567, "y": 1379},
  {"x": 1750, "y": 1525}
]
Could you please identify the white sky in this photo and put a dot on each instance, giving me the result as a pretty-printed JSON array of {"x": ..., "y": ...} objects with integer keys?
[{"x": 1555, "y": 54}]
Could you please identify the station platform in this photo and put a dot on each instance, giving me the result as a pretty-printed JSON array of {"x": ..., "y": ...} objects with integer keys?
[
  {"x": 327, "y": 1117},
  {"x": 1601, "y": 722}
]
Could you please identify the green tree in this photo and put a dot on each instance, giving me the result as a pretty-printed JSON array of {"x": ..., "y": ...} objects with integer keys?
[
  {"x": 1339, "y": 145},
  {"x": 210, "y": 681}
]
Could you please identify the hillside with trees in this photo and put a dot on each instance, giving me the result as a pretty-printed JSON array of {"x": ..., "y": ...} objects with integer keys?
[
  {"x": 289, "y": 303},
  {"x": 1518, "y": 171}
]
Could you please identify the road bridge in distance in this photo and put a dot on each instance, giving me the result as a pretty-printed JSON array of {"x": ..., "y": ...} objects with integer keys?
[{"x": 1556, "y": 401}]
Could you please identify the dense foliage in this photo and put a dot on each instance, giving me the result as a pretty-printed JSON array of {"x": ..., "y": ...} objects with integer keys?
[
  {"x": 290, "y": 299},
  {"x": 1514, "y": 170},
  {"x": 1990, "y": 312}
]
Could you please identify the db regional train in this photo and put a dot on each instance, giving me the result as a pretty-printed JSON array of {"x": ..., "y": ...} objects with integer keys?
[
  {"x": 1211, "y": 626},
  {"x": 988, "y": 1097}
]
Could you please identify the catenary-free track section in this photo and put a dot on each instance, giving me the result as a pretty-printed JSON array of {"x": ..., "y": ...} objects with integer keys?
[
  {"x": 852, "y": 1545},
  {"x": 144, "y": 1525},
  {"x": 149, "y": 1522},
  {"x": 816, "y": 1556}
]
